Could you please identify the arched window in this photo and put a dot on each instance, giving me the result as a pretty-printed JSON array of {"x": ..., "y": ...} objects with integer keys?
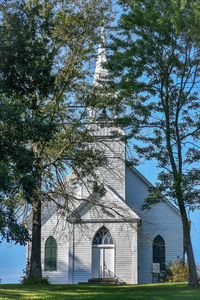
[
  {"x": 159, "y": 251},
  {"x": 50, "y": 256},
  {"x": 102, "y": 236}
]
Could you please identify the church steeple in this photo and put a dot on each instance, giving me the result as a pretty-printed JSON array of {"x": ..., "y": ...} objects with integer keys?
[
  {"x": 101, "y": 73},
  {"x": 109, "y": 138}
]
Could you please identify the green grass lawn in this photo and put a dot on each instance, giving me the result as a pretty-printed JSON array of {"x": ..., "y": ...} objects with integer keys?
[{"x": 178, "y": 291}]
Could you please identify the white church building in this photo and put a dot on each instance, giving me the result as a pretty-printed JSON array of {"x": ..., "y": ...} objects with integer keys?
[{"x": 114, "y": 239}]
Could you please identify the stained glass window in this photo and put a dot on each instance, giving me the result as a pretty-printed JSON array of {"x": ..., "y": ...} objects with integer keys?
[{"x": 103, "y": 236}]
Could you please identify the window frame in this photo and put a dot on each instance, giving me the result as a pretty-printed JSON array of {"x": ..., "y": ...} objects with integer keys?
[
  {"x": 50, "y": 255},
  {"x": 158, "y": 251},
  {"x": 102, "y": 237}
]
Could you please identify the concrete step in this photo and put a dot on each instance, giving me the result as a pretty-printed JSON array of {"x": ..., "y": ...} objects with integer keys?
[{"x": 102, "y": 281}]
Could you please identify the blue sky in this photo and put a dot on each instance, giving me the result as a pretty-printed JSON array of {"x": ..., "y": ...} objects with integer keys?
[
  {"x": 12, "y": 262},
  {"x": 13, "y": 257}
]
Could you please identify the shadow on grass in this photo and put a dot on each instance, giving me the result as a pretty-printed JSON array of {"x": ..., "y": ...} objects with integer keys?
[{"x": 100, "y": 292}]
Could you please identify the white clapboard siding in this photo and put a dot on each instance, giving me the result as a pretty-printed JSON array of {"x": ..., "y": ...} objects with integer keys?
[
  {"x": 125, "y": 238},
  {"x": 81, "y": 255},
  {"x": 60, "y": 231},
  {"x": 136, "y": 190},
  {"x": 109, "y": 142},
  {"x": 126, "y": 252},
  {"x": 168, "y": 225},
  {"x": 162, "y": 219}
]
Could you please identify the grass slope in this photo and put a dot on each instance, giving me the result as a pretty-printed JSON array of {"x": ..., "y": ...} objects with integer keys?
[{"x": 178, "y": 291}]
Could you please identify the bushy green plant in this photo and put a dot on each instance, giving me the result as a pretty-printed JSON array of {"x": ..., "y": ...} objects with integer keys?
[
  {"x": 177, "y": 271},
  {"x": 27, "y": 280},
  {"x": 35, "y": 281}
]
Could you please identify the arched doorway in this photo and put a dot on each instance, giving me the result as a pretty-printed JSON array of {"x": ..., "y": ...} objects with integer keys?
[{"x": 103, "y": 254}]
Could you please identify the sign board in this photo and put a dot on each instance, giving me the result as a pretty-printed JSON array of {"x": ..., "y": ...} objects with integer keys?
[{"x": 156, "y": 268}]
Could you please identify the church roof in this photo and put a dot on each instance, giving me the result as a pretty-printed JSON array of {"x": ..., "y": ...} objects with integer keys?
[
  {"x": 109, "y": 208},
  {"x": 144, "y": 179}
]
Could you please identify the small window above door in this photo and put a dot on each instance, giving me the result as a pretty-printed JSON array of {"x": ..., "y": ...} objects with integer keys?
[{"x": 102, "y": 237}]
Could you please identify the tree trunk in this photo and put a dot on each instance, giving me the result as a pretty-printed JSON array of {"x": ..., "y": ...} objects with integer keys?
[
  {"x": 35, "y": 263},
  {"x": 35, "y": 267},
  {"x": 193, "y": 278}
]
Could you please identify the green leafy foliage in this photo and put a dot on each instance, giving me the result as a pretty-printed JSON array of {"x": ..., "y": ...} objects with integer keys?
[
  {"x": 46, "y": 50},
  {"x": 155, "y": 65},
  {"x": 15, "y": 170},
  {"x": 36, "y": 281},
  {"x": 11, "y": 229}
]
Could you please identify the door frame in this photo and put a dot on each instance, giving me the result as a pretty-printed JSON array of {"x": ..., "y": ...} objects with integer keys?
[{"x": 103, "y": 246}]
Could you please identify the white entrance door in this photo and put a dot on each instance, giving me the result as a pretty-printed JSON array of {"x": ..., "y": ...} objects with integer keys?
[
  {"x": 103, "y": 261},
  {"x": 108, "y": 266}
]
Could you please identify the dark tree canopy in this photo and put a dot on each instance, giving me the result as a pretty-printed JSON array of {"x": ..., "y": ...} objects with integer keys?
[
  {"x": 47, "y": 49},
  {"x": 15, "y": 170}
]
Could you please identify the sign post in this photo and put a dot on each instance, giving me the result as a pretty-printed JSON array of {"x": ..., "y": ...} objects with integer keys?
[{"x": 156, "y": 272}]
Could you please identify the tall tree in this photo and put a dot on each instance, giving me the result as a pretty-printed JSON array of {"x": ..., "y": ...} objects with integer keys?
[
  {"x": 46, "y": 50},
  {"x": 156, "y": 65},
  {"x": 13, "y": 170}
]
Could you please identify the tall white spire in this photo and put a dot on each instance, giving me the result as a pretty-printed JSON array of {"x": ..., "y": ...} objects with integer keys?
[{"x": 100, "y": 71}]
